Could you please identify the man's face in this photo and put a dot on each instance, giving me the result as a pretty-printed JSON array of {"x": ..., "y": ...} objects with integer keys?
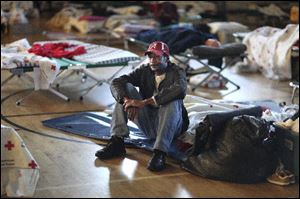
[{"x": 157, "y": 63}]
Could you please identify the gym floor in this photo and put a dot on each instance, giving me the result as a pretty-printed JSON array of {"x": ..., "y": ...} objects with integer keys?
[{"x": 68, "y": 165}]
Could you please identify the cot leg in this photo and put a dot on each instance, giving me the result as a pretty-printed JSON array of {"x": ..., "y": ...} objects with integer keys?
[
  {"x": 295, "y": 87},
  {"x": 293, "y": 95},
  {"x": 59, "y": 94},
  {"x": 59, "y": 81},
  {"x": 90, "y": 88},
  {"x": 9, "y": 78},
  {"x": 126, "y": 45},
  {"x": 90, "y": 74}
]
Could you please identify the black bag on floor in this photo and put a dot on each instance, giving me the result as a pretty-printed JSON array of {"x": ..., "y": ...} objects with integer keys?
[{"x": 239, "y": 153}]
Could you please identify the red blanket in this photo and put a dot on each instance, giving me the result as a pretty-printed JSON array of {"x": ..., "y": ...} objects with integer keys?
[{"x": 56, "y": 50}]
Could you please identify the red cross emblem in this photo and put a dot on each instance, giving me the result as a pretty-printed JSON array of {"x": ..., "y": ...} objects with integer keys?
[
  {"x": 9, "y": 145},
  {"x": 53, "y": 67},
  {"x": 32, "y": 164}
]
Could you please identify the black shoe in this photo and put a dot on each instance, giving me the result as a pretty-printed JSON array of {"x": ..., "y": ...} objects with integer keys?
[
  {"x": 114, "y": 148},
  {"x": 158, "y": 161}
]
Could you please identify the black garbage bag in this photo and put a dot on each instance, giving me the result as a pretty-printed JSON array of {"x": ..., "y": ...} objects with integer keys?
[
  {"x": 238, "y": 154},
  {"x": 214, "y": 124}
]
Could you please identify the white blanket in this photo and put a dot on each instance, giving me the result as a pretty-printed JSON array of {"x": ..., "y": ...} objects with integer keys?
[
  {"x": 269, "y": 50},
  {"x": 198, "y": 107}
]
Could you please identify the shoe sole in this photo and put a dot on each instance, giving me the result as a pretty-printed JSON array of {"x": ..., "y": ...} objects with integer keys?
[
  {"x": 278, "y": 183},
  {"x": 153, "y": 169},
  {"x": 110, "y": 157},
  {"x": 291, "y": 178}
]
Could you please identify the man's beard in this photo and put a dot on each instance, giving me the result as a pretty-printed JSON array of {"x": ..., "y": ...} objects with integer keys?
[{"x": 158, "y": 67}]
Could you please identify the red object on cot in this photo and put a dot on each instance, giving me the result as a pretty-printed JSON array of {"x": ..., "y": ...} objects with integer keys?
[{"x": 56, "y": 50}]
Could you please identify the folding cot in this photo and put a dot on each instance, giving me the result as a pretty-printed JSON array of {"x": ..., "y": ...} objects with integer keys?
[
  {"x": 233, "y": 51},
  {"x": 97, "y": 56}
]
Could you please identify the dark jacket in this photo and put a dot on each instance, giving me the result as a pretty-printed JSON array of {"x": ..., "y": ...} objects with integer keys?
[{"x": 173, "y": 87}]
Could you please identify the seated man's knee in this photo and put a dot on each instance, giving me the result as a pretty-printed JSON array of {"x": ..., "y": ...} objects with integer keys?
[
  {"x": 132, "y": 91},
  {"x": 173, "y": 105}
]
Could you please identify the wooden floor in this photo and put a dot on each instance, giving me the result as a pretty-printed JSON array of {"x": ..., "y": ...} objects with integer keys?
[{"x": 68, "y": 165}]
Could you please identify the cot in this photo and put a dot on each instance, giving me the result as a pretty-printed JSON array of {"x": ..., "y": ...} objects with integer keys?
[{"x": 97, "y": 56}]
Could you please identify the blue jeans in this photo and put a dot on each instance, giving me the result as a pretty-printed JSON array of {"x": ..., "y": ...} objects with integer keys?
[{"x": 161, "y": 123}]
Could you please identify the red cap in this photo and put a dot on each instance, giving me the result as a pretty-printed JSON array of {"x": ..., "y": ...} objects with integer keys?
[{"x": 158, "y": 48}]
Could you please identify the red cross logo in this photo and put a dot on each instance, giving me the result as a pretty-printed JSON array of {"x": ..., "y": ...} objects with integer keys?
[
  {"x": 32, "y": 164},
  {"x": 53, "y": 67},
  {"x": 9, "y": 145}
]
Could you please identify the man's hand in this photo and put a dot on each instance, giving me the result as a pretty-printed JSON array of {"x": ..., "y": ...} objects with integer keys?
[
  {"x": 132, "y": 106},
  {"x": 212, "y": 43},
  {"x": 133, "y": 103},
  {"x": 132, "y": 113}
]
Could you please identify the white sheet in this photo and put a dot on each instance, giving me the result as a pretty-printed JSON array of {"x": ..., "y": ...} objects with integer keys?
[
  {"x": 269, "y": 50},
  {"x": 198, "y": 108}
]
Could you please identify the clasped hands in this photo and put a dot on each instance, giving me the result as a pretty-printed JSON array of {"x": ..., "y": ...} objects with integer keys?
[{"x": 132, "y": 106}]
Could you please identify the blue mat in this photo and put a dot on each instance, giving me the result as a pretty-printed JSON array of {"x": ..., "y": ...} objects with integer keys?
[{"x": 96, "y": 125}]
